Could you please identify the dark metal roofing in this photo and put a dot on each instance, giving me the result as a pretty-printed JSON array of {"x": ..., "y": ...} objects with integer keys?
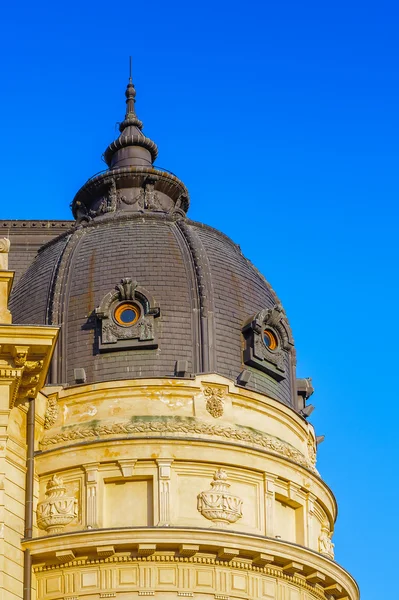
[{"x": 198, "y": 277}]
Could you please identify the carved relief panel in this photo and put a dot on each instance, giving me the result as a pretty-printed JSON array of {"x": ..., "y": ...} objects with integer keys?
[{"x": 60, "y": 506}]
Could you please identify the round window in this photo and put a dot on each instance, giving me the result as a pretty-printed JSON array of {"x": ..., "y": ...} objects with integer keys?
[
  {"x": 127, "y": 314},
  {"x": 270, "y": 339}
]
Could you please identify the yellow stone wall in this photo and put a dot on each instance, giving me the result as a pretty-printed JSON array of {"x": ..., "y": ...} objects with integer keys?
[{"x": 135, "y": 457}]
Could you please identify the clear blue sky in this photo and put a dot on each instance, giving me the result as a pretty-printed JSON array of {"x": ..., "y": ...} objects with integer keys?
[{"x": 282, "y": 120}]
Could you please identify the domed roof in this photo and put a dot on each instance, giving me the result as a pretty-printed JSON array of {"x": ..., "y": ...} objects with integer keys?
[{"x": 139, "y": 290}]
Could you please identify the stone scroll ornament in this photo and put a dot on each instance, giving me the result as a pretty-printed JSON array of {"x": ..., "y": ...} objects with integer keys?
[
  {"x": 217, "y": 504},
  {"x": 270, "y": 360},
  {"x": 141, "y": 333},
  {"x": 58, "y": 510}
]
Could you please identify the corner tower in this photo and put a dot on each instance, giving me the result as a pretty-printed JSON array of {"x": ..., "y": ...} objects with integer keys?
[{"x": 173, "y": 457}]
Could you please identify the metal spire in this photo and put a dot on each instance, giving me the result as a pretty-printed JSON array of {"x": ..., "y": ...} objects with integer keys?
[{"x": 130, "y": 94}]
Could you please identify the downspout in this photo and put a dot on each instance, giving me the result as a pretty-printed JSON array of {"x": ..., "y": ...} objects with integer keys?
[{"x": 30, "y": 443}]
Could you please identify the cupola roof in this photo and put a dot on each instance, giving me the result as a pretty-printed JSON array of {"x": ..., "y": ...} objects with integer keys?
[{"x": 132, "y": 183}]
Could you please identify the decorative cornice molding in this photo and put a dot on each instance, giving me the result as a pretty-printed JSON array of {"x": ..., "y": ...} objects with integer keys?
[
  {"x": 169, "y": 426},
  {"x": 273, "y": 571}
]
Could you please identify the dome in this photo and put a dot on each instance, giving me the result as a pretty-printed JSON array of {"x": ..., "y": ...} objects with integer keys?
[{"x": 140, "y": 290}]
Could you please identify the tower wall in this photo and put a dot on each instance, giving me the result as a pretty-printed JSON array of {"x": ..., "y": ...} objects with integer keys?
[{"x": 180, "y": 488}]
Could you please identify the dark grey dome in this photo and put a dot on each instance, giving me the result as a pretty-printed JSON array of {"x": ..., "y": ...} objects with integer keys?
[
  {"x": 205, "y": 289},
  {"x": 141, "y": 291}
]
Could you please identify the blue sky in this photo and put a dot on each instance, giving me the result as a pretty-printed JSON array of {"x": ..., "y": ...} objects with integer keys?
[{"x": 282, "y": 120}]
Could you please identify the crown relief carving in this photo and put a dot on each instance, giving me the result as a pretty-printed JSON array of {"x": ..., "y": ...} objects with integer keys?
[
  {"x": 217, "y": 504},
  {"x": 59, "y": 509},
  {"x": 214, "y": 401}
]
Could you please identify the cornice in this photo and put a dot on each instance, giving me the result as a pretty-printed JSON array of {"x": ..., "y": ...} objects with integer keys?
[{"x": 213, "y": 547}]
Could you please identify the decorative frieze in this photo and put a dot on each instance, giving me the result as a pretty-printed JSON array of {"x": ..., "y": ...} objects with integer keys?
[
  {"x": 217, "y": 504},
  {"x": 181, "y": 426},
  {"x": 58, "y": 510}
]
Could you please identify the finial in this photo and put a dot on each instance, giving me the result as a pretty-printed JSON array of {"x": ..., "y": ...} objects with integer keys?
[
  {"x": 132, "y": 148},
  {"x": 130, "y": 93}
]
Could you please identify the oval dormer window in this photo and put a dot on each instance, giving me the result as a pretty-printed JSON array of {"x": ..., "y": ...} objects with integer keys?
[{"x": 127, "y": 314}]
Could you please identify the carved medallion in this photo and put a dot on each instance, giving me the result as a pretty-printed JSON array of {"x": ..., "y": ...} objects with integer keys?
[
  {"x": 214, "y": 401},
  {"x": 217, "y": 504}
]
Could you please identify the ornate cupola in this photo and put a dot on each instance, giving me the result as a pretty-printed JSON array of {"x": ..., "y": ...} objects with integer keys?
[{"x": 131, "y": 183}]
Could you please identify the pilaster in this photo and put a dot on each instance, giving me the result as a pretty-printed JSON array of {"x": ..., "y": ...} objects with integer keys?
[
  {"x": 91, "y": 471},
  {"x": 269, "y": 504},
  {"x": 164, "y": 473}
]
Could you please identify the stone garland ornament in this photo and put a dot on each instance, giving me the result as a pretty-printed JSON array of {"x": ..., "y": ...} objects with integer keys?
[
  {"x": 146, "y": 199},
  {"x": 181, "y": 426},
  {"x": 58, "y": 510},
  {"x": 217, "y": 504},
  {"x": 326, "y": 546},
  {"x": 114, "y": 335},
  {"x": 214, "y": 401},
  {"x": 258, "y": 354}
]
